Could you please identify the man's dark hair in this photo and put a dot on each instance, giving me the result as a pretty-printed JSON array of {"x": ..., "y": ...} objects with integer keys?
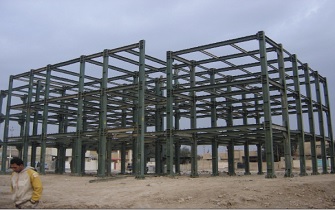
[{"x": 17, "y": 161}]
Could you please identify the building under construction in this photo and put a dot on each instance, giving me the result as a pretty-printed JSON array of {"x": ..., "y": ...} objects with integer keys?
[{"x": 247, "y": 91}]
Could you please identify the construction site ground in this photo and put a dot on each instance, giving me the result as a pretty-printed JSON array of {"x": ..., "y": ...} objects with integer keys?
[{"x": 182, "y": 191}]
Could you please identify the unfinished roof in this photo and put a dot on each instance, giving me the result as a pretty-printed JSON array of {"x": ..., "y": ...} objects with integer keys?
[{"x": 247, "y": 90}]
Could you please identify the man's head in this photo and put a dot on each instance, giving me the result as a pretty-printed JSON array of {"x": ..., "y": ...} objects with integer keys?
[{"x": 16, "y": 164}]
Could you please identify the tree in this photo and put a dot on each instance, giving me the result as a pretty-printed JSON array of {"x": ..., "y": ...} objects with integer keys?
[
  {"x": 185, "y": 151},
  {"x": 185, "y": 154}
]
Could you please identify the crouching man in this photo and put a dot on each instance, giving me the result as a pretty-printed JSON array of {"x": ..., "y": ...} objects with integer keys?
[{"x": 26, "y": 185}]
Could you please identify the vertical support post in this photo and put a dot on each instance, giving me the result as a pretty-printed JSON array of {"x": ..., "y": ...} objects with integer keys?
[
  {"x": 229, "y": 120},
  {"x": 158, "y": 157},
  {"x": 134, "y": 168},
  {"x": 266, "y": 107},
  {"x": 44, "y": 132},
  {"x": 21, "y": 122},
  {"x": 193, "y": 116},
  {"x": 141, "y": 113},
  {"x": 85, "y": 118},
  {"x": 309, "y": 102},
  {"x": 61, "y": 150},
  {"x": 169, "y": 114},
  {"x": 65, "y": 119},
  {"x": 246, "y": 158},
  {"x": 85, "y": 125},
  {"x": 329, "y": 127},
  {"x": 60, "y": 161},
  {"x": 321, "y": 123},
  {"x": 215, "y": 159},
  {"x": 37, "y": 98},
  {"x": 300, "y": 125},
  {"x": 246, "y": 144},
  {"x": 103, "y": 117},
  {"x": 57, "y": 168},
  {"x": 177, "y": 145},
  {"x": 27, "y": 120},
  {"x": 2, "y": 96},
  {"x": 231, "y": 161},
  {"x": 259, "y": 159},
  {"x": 2, "y": 117},
  {"x": 123, "y": 144},
  {"x": 109, "y": 155},
  {"x": 33, "y": 153},
  {"x": 82, "y": 160},
  {"x": 285, "y": 115},
  {"x": 259, "y": 145},
  {"x": 80, "y": 110},
  {"x": 61, "y": 116},
  {"x": 135, "y": 120},
  {"x": 73, "y": 162},
  {"x": 35, "y": 122},
  {"x": 123, "y": 158},
  {"x": 146, "y": 149},
  {"x": 158, "y": 127},
  {"x": 6, "y": 126}
]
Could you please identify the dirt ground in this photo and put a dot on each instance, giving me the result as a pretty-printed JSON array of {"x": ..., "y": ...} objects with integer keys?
[{"x": 206, "y": 191}]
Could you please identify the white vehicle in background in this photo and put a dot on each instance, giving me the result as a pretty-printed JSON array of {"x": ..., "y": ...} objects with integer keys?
[{"x": 37, "y": 165}]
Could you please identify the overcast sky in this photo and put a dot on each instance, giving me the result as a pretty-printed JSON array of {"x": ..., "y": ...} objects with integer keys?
[{"x": 37, "y": 33}]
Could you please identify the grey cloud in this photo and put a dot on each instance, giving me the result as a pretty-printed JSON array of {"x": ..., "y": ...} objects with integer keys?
[{"x": 37, "y": 33}]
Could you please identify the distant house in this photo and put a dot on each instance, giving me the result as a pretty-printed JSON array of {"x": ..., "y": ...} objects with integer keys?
[{"x": 238, "y": 156}]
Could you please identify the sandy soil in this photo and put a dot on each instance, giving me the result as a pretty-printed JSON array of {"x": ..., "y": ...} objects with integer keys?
[{"x": 124, "y": 191}]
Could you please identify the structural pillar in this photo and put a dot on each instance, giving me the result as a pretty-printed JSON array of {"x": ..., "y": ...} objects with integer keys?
[
  {"x": 259, "y": 159},
  {"x": 193, "y": 116},
  {"x": 215, "y": 155},
  {"x": 80, "y": 110},
  {"x": 259, "y": 145},
  {"x": 6, "y": 126},
  {"x": 229, "y": 121},
  {"x": 60, "y": 161},
  {"x": 109, "y": 155},
  {"x": 300, "y": 121},
  {"x": 44, "y": 132},
  {"x": 123, "y": 158},
  {"x": 135, "y": 121},
  {"x": 246, "y": 159},
  {"x": 123, "y": 144},
  {"x": 159, "y": 126},
  {"x": 246, "y": 144},
  {"x": 27, "y": 118},
  {"x": 102, "y": 144},
  {"x": 321, "y": 123},
  {"x": 35, "y": 123},
  {"x": 329, "y": 127},
  {"x": 2, "y": 96},
  {"x": 309, "y": 102},
  {"x": 169, "y": 114},
  {"x": 177, "y": 117},
  {"x": 140, "y": 159},
  {"x": 266, "y": 107},
  {"x": 285, "y": 115}
]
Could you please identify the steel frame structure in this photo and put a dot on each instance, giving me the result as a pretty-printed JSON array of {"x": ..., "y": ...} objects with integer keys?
[{"x": 239, "y": 92}]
